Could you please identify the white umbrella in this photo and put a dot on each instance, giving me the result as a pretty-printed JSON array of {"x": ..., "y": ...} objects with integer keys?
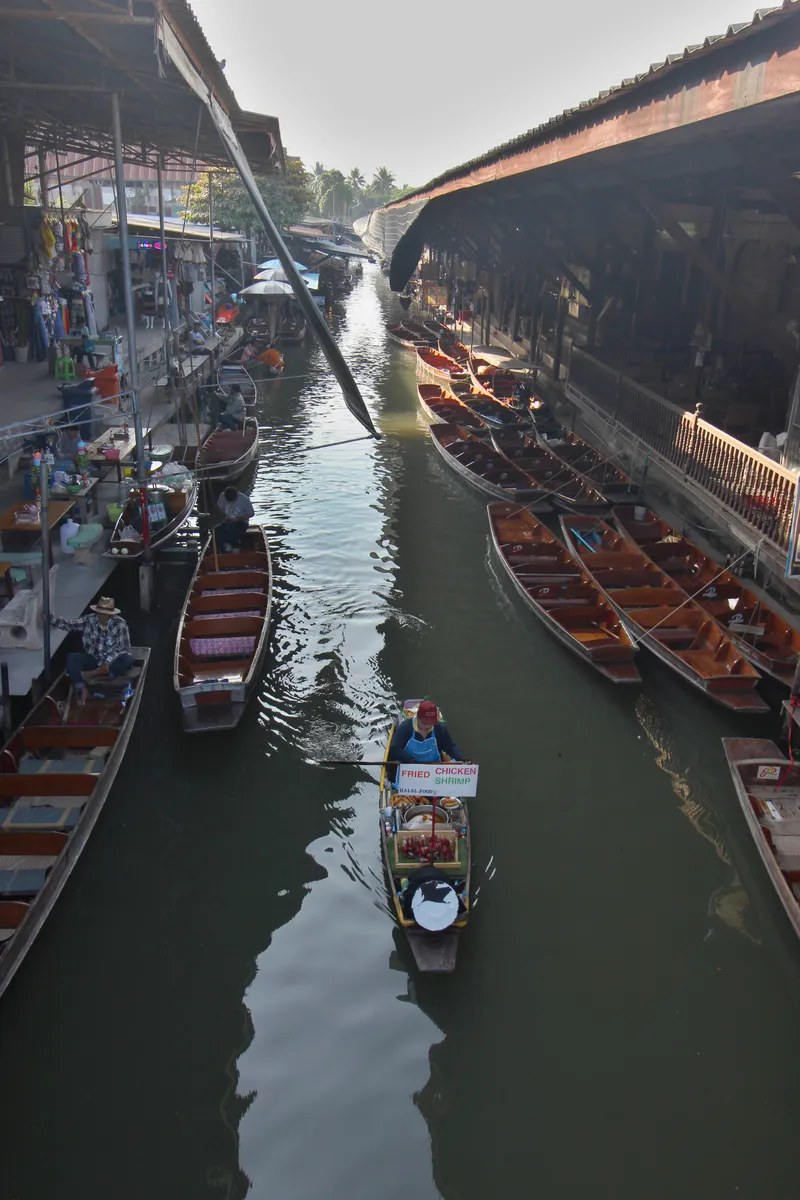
[
  {"x": 275, "y": 264},
  {"x": 268, "y": 287},
  {"x": 276, "y": 273}
]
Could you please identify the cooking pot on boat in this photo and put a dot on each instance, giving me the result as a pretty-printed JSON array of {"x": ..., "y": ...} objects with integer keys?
[{"x": 418, "y": 816}]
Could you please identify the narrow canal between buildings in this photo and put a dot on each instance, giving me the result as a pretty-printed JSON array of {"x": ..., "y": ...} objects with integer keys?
[{"x": 219, "y": 1004}]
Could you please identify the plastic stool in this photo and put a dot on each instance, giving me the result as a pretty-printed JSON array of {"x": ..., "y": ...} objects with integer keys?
[{"x": 65, "y": 368}]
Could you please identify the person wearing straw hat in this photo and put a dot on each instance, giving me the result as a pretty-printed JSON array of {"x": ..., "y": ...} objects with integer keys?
[{"x": 106, "y": 645}]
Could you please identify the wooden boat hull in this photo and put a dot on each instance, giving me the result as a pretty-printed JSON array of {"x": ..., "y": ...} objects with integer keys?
[
  {"x": 497, "y": 415},
  {"x": 214, "y": 694},
  {"x": 719, "y": 593},
  {"x": 568, "y": 491},
  {"x": 403, "y": 338},
  {"x": 433, "y": 952},
  {"x": 441, "y": 408},
  {"x": 15, "y": 949},
  {"x": 745, "y": 756},
  {"x": 601, "y": 472},
  {"x": 614, "y": 662},
  {"x": 223, "y": 457},
  {"x": 497, "y": 386},
  {"x": 231, "y": 372},
  {"x": 431, "y": 362},
  {"x": 732, "y": 691},
  {"x": 127, "y": 551},
  {"x": 529, "y": 496}
]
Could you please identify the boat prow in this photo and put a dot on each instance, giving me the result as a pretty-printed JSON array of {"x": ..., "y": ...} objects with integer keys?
[{"x": 434, "y": 952}]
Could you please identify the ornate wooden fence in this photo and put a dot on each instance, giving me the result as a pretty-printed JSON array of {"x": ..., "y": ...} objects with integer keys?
[{"x": 748, "y": 484}]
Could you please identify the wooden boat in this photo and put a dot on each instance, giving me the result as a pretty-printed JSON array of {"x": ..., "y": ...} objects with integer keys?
[
  {"x": 405, "y": 301},
  {"x": 292, "y": 332},
  {"x": 441, "y": 407},
  {"x": 498, "y": 415},
  {"x": 768, "y": 787},
  {"x": 492, "y": 381},
  {"x": 450, "y": 345},
  {"x": 570, "y": 491},
  {"x": 169, "y": 507},
  {"x": 232, "y": 372},
  {"x": 56, "y": 771},
  {"x": 438, "y": 364},
  {"x": 428, "y": 331},
  {"x": 557, "y": 588},
  {"x": 224, "y": 455},
  {"x": 222, "y": 637},
  {"x": 765, "y": 638},
  {"x": 604, "y": 474},
  {"x": 403, "y": 337},
  {"x": 656, "y": 611},
  {"x": 432, "y": 951},
  {"x": 485, "y": 469}
]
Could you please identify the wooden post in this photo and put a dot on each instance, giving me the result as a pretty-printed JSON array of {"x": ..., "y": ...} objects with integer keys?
[{"x": 559, "y": 346}]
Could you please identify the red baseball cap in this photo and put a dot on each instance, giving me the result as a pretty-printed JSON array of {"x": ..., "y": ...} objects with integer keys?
[{"x": 428, "y": 712}]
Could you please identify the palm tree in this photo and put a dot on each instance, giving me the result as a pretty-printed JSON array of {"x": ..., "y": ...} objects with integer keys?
[
  {"x": 383, "y": 180},
  {"x": 356, "y": 180},
  {"x": 317, "y": 174}
]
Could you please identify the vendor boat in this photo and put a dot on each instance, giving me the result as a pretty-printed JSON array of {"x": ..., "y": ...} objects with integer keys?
[
  {"x": 224, "y": 455},
  {"x": 485, "y": 469},
  {"x": 656, "y": 612},
  {"x": 170, "y": 501},
  {"x": 408, "y": 825},
  {"x": 56, "y": 771},
  {"x": 570, "y": 491},
  {"x": 768, "y": 788},
  {"x": 441, "y": 406},
  {"x": 561, "y": 593},
  {"x": 223, "y": 632},
  {"x": 605, "y": 475},
  {"x": 437, "y": 364},
  {"x": 764, "y": 637},
  {"x": 292, "y": 332}
]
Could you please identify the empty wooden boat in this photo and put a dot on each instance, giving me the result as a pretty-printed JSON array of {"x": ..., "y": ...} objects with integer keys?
[
  {"x": 405, "y": 848},
  {"x": 485, "y": 469},
  {"x": 606, "y": 476},
  {"x": 404, "y": 337},
  {"x": 443, "y": 408},
  {"x": 170, "y": 502},
  {"x": 433, "y": 362},
  {"x": 765, "y": 638},
  {"x": 431, "y": 331},
  {"x": 558, "y": 589},
  {"x": 453, "y": 348},
  {"x": 768, "y": 788},
  {"x": 222, "y": 638},
  {"x": 417, "y": 331},
  {"x": 56, "y": 771},
  {"x": 570, "y": 491},
  {"x": 233, "y": 372},
  {"x": 491, "y": 380},
  {"x": 224, "y": 455},
  {"x": 657, "y": 612},
  {"x": 501, "y": 416}
]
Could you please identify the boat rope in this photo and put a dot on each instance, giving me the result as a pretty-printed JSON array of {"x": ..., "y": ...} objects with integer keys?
[{"x": 327, "y": 445}]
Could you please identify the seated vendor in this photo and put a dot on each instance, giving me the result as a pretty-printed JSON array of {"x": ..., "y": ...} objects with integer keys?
[
  {"x": 272, "y": 358},
  {"x": 422, "y": 738},
  {"x": 236, "y": 410}
]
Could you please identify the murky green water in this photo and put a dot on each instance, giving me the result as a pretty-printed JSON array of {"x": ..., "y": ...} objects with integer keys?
[{"x": 219, "y": 1005}]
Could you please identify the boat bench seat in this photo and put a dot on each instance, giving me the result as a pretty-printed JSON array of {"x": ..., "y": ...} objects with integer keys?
[
  {"x": 673, "y": 633},
  {"x": 26, "y": 882},
  {"x": 45, "y": 817},
  {"x": 222, "y": 647},
  {"x": 61, "y": 766},
  {"x": 12, "y": 913},
  {"x": 231, "y": 671}
]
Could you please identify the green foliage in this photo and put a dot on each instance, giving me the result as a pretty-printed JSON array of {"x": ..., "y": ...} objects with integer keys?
[{"x": 287, "y": 197}]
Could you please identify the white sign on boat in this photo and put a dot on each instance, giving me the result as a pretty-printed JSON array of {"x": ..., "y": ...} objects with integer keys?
[{"x": 437, "y": 779}]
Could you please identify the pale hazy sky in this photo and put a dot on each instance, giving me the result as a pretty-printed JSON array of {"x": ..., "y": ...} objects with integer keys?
[{"x": 420, "y": 86}]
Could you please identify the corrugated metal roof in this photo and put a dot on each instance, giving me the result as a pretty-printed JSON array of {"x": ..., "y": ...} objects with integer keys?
[{"x": 670, "y": 63}]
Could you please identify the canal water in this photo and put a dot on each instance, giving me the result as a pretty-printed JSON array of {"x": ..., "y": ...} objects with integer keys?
[{"x": 219, "y": 1006}]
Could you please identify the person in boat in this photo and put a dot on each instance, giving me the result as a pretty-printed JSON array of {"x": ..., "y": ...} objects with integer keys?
[
  {"x": 237, "y": 511},
  {"x": 522, "y": 394},
  {"x": 271, "y": 358},
  {"x": 248, "y": 353},
  {"x": 233, "y": 417},
  {"x": 422, "y": 738},
  {"x": 106, "y": 649}
]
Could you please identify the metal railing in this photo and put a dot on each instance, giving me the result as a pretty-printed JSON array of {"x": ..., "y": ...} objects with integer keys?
[{"x": 749, "y": 485}]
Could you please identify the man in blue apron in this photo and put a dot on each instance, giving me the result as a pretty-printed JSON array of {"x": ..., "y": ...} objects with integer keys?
[{"x": 422, "y": 739}]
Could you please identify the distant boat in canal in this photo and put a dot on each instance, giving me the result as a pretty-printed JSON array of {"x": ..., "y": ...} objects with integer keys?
[
  {"x": 223, "y": 634},
  {"x": 56, "y": 771},
  {"x": 657, "y": 612},
  {"x": 768, "y": 788},
  {"x": 406, "y": 848},
  {"x": 561, "y": 593}
]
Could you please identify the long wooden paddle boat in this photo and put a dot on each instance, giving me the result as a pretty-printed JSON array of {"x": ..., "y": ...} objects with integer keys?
[
  {"x": 56, "y": 771},
  {"x": 450, "y": 345},
  {"x": 492, "y": 381},
  {"x": 562, "y": 594},
  {"x": 170, "y": 501},
  {"x": 439, "y": 365},
  {"x": 224, "y": 455},
  {"x": 404, "y": 337},
  {"x": 431, "y": 331},
  {"x": 488, "y": 471},
  {"x": 222, "y": 637},
  {"x": 501, "y": 416},
  {"x": 768, "y": 788},
  {"x": 442, "y": 407},
  {"x": 233, "y": 372},
  {"x": 407, "y": 826},
  {"x": 605, "y": 475},
  {"x": 765, "y": 638},
  {"x": 570, "y": 491},
  {"x": 657, "y": 612}
]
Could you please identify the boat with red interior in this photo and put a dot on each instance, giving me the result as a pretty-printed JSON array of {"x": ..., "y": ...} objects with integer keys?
[
  {"x": 491, "y": 380},
  {"x": 224, "y": 455},
  {"x": 482, "y": 467},
  {"x": 442, "y": 407},
  {"x": 560, "y": 592},
  {"x": 570, "y": 490},
  {"x": 433, "y": 362}
]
